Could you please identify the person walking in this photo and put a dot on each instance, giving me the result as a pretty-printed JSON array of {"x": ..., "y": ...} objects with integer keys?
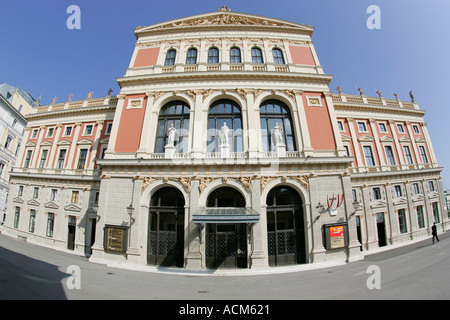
[{"x": 434, "y": 232}]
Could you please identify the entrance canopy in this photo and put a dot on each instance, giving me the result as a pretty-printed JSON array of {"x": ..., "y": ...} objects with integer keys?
[{"x": 226, "y": 215}]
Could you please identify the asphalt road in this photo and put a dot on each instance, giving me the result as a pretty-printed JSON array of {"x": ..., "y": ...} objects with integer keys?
[{"x": 417, "y": 271}]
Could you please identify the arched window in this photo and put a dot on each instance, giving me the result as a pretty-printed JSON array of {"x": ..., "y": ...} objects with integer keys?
[
  {"x": 170, "y": 58},
  {"x": 257, "y": 55},
  {"x": 174, "y": 113},
  {"x": 228, "y": 112},
  {"x": 235, "y": 55},
  {"x": 191, "y": 56},
  {"x": 273, "y": 112},
  {"x": 277, "y": 56},
  {"x": 213, "y": 55}
]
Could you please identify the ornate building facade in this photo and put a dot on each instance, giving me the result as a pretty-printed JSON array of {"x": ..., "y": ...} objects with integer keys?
[{"x": 226, "y": 148}]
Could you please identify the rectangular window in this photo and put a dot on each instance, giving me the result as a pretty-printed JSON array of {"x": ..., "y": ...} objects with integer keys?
[
  {"x": 431, "y": 186},
  {"x": 50, "y": 132},
  {"x": 369, "y": 156},
  {"x": 108, "y": 128},
  {"x": 437, "y": 219},
  {"x": 75, "y": 195},
  {"x": 50, "y": 224},
  {"x": 82, "y": 159},
  {"x": 376, "y": 194},
  {"x": 362, "y": 127},
  {"x": 43, "y": 159},
  {"x": 20, "y": 192},
  {"x": 408, "y": 156},
  {"x": 416, "y": 129},
  {"x": 61, "y": 158},
  {"x": 28, "y": 159},
  {"x": 34, "y": 134},
  {"x": 8, "y": 142},
  {"x": 16, "y": 217},
  {"x": 423, "y": 154},
  {"x": 416, "y": 188},
  {"x": 88, "y": 130},
  {"x": 32, "y": 220},
  {"x": 68, "y": 131},
  {"x": 402, "y": 221},
  {"x": 382, "y": 127},
  {"x": 35, "y": 192},
  {"x": 389, "y": 155},
  {"x": 398, "y": 191},
  {"x": 420, "y": 218},
  {"x": 53, "y": 194},
  {"x": 347, "y": 151},
  {"x": 400, "y": 128},
  {"x": 341, "y": 126}
]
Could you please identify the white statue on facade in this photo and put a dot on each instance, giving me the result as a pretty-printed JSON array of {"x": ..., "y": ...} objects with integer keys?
[
  {"x": 277, "y": 135},
  {"x": 223, "y": 134},
  {"x": 172, "y": 132}
]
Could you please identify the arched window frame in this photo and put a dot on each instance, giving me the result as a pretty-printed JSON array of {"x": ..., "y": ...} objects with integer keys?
[
  {"x": 271, "y": 112},
  {"x": 191, "y": 56},
  {"x": 177, "y": 113},
  {"x": 235, "y": 55},
  {"x": 228, "y": 111},
  {"x": 257, "y": 56},
  {"x": 213, "y": 55},
  {"x": 278, "y": 57},
  {"x": 170, "y": 57}
]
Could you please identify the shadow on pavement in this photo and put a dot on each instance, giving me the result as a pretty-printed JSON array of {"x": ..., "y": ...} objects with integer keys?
[{"x": 37, "y": 281}]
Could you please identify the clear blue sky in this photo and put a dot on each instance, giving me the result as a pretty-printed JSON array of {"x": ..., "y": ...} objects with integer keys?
[{"x": 411, "y": 51}]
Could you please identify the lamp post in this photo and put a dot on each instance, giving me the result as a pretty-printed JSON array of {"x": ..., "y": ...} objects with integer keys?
[{"x": 130, "y": 210}]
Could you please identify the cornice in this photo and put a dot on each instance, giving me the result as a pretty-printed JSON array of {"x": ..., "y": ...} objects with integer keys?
[
  {"x": 66, "y": 112},
  {"x": 376, "y": 108},
  {"x": 224, "y": 75}
]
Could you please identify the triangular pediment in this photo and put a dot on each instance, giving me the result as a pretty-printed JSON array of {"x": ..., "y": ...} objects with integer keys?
[
  {"x": 420, "y": 139},
  {"x": 378, "y": 204},
  {"x": 33, "y": 202},
  {"x": 18, "y": 200},
  {"x": 84, "y": 141},
  {"x": 366, "y": 138},
  {"x": 404, "y": 139},
  {"x": 51, "y": 205},
  {"x": 72, "y": 207},
  {"x": 400, "y": 201},
  {"x": 345, "y": 137},
  {"x": 46, "y": 143},
  {"x": 386, "y": 139},
  {"x": 30, "y": 144},
  {"x": 223, "y": 19},
  {"x": 64, "y": 143}
]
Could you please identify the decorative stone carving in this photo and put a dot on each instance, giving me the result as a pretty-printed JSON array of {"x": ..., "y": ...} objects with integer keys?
[
  {"x": 186, "y": 182},
  {"x": 304, "y": 180},
  {"x": 204, "y": 183},
  {"x": 146, "y": 182},
  {"x": 247, "y": 182}
]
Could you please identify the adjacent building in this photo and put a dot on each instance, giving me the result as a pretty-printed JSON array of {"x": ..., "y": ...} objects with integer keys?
[
  {"x": 226, "y": 148},
  {"x": 15, "y": 104}
]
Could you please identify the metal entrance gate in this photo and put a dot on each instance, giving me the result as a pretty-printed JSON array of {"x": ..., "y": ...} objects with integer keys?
[
  {"x": 166, "y": 239},
  {"x": 226, "y": 245},
  {"x": 285, "y": 236}
]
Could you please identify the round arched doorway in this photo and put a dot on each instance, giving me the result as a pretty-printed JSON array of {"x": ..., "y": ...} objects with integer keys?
[
  {"x": 285, "y": 227},
  {"x": 166, "y": 228},
  {"x": 226, "y": 244}
]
